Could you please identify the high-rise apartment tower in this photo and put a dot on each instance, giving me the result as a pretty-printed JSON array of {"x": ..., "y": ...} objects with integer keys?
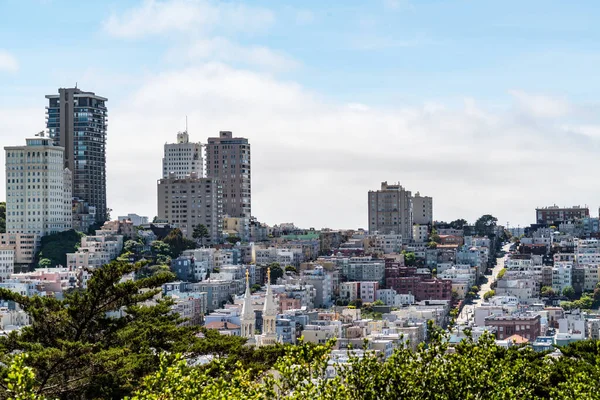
[
  {"x": 228, "y": 159},
  {"x": 77, "y": 122},
  {"x": 38, "y": 189},
  {"x": 390, "y": 210},
  {"x": 182, "y": 158}
]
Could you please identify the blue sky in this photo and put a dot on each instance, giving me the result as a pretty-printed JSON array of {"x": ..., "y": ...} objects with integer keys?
[{"x": 437, "y": 80}]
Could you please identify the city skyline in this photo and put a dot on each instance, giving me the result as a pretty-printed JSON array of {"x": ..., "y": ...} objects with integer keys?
[{"x": 465, "y": 113}]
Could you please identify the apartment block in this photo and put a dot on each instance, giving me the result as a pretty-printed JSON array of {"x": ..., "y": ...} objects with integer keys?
[
  {"x": 554, "y": 215},
  {"x": 23, "y": 244},
  {"x": 390, "y": 210},
  {"x": 7, "y": 262},
  {"x": 527, "y": 325},
  {"x": 77, "y": 121},
  {"x": 182, "y": 158},
  {"x": 38, "y": 188},
  {"x": 228, "y": 159},
  {"x": 422, "y": 207},
  {"x": 191, "y": 201}
]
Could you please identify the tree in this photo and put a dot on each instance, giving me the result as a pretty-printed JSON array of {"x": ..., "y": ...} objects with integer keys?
[
  {"x": 292, "y": 269},
  {"x": 501, "y": 273},
  {"x": 44, "y": 263},
  {"x": 233, "y": 239},
  {"x": 83, "y": 346},
  {"x": 378, "y": 303},
  {"x": 159, "y": 247},
  {"x": 178, "y": 243},
  {"x": 56, "y": 246},
  {"x": 432, "y": 245},
  {"x": 489, "y": 294},
  {"x": 255, "y": 288},
  {"x": 409, "y": 258},
  {"x": 547, "y": 291},
  {"x": 132, "y": 246},
  {"x": 200, "y": 232},
  {"x": 434, "y": 237},
  {"x": 484, "y": 223},
  {"x": 458, "y": 224},
  {"x": 276, "y": 272},
  {"x": 569, "y": 292}
]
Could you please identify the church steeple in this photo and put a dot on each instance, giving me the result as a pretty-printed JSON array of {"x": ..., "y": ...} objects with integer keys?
[
  {"x": 248, "y": 318},
  {"x": 269, "y": 335}
]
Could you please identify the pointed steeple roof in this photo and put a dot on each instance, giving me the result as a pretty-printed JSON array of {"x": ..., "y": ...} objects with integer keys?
[
  {"x": 247, "y": 310},
  {"x": 269, "y": 309}
]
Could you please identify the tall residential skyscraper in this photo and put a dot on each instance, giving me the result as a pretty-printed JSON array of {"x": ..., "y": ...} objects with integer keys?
[
  {"x": 182, "y": 158},
  {"x": 38, "y": 189},
  {"x": 390, "y": 210},
  {"x": 228, "y": 159},
  {"x": 422, "y": 209},
  {"x": 77, "y": 122},
  {"x": 191, "y": 201}
]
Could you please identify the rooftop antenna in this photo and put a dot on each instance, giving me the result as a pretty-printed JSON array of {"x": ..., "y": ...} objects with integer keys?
[
  {"x": 75, "y": 85},
  {"x": 186, "y": 131}
]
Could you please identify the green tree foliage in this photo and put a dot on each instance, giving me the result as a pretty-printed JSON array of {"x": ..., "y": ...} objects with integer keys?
[
  {"x": 276, "y": 272},
  {"x": 200, "y": 232},
  {"x": 132, "y": 246},
  {"x": 480, "y": 370},
  {"x": 434, "y": 237},
  {"x": 2, "y": 217},
  {"x": 458, "y": 224},
  {"x": 255, "y": 288},
  {"x": 584, "y": 303},
  {"x": 233, "y": 239},
  {"x": 290, "y": 268},
  {"x": 501, "y": 273},
  {"x": 56, "y": 246},
  {"x": 79, "y": 350},
  {"x": 489, "y": 294},
  {"x": 547, "y": 291},
  {"x": 569, "y": 292},
  {"x": 484, "y": 223},
  {"x": 178, "y": 243},
  {"x": 409, "y": 258},
  {"x": 45, "y": 263}
]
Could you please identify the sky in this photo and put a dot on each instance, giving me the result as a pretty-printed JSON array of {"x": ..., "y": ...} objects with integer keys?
[{"x": 489, "y": 107}]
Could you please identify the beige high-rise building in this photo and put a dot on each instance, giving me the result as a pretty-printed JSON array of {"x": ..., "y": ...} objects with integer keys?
[
  {"x": 422, "y": 209},
  {"x": 191, "y": 201},
  {"x": 390, "y": 210},
  {"x": 38, "y": 189},
  {"x": 228, "y": 159},
  {"x": 182, "y": 158}
]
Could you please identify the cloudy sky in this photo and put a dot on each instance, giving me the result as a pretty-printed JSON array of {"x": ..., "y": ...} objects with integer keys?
[{"x": 488, "y": 106}]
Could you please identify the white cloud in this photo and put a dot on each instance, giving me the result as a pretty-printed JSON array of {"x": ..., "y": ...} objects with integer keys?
[
  {"x": 541, "y": 105},
  {"x": 8, "y": 62},
  {"x": 154, "y": 17},
  {"x": 220, "y": 49},
  {"x": 314, "y": 160}
]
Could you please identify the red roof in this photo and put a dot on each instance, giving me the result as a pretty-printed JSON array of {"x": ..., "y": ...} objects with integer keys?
[{"x": 222, "y": 325}]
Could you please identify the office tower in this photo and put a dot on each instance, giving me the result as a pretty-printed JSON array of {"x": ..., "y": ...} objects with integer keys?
[
  {"x": 182, "y": 158},
  {"x": 191, "y": 201},
  {"x": 228, "y": 159},
  {"x": 422, "y": 209},
  {"x": 77, "y": 122},
  {"x": 390, "y": 210},
  {"x": 38, "y": 188}
]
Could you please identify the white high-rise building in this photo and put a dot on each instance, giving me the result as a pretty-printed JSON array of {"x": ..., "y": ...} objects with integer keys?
[
  {"x": 38, "y": 188},
  {"x": 182, "y": 158},
  {"x": 422, "y": 208},
  {"x": 7, "y": 262}
]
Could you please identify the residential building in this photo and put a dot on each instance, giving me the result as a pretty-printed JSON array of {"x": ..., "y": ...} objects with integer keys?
[
  {"x": 562, "y": 275},
  {"x": 24, "y": 246},
  {"x": 420, "y": 233},
  {"x": 38, "y": 188},
  {"x": 322, "y": 281},
  {"x": 364, "y": 269},
  {"x": 7, "y": 262},
  {"x": 135, "y": 219},
  {"x": 554, "y": 215},
  {"x": 525, "y": 324},
  {"x": 191, "y": 201},
  {"x": 390, "y": 210},
  {"x": 228, "y": 159},
  {"x": 76, "y": 121},
  {"x": 182, "y": 158},
  {"x": 422, "y": 208}
]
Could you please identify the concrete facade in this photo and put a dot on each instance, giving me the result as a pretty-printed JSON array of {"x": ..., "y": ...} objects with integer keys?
[
  {"x": 38, "y": 189},
  {"x": 77, "y": 122},
  {"x": 182, "y": 158},
  {"x": 187, "y": 202},
  {"x": 390, "y": 210},
  {"x": 228, "y": 159}
]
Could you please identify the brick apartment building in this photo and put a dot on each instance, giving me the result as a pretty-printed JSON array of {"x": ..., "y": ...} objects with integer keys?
[
  {"x": 406, "y": 280},
  {"x": 525, "y": 324}
]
